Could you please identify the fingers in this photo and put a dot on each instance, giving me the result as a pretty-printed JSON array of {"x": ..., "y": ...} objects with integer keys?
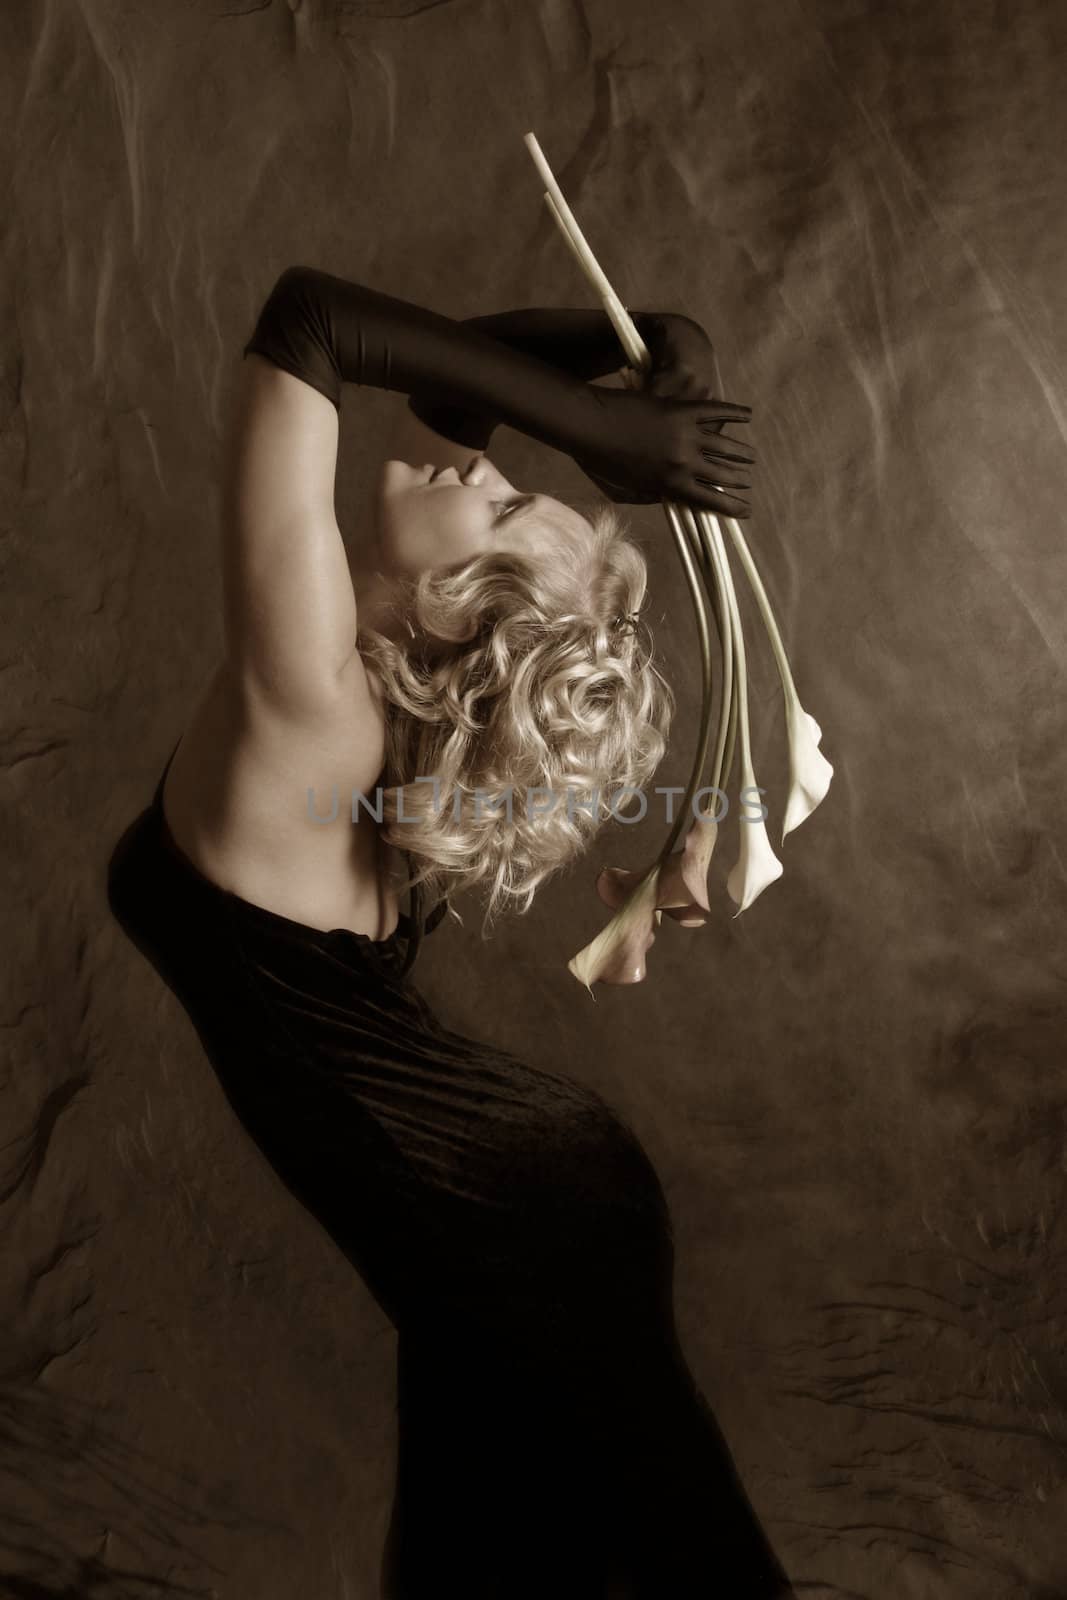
[
  {"x": 735, "y": 476},
  {"x": 715, "y": 483},
  {"x": 723, "y": 448},
  {"x": 715, "y": 410},
  {"x": 715, "y": 489},
  {"x": 723, "y": 444},
  {"x": 720, "y": 503}
]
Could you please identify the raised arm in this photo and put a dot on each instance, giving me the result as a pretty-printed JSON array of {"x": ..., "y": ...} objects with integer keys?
[
  {"x": 290, "y": 609},
  {"x": 288, "y": 603}
]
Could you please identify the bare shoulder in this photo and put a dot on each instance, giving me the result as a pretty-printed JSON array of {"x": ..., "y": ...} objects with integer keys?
[{"x": 262, "y": 803}]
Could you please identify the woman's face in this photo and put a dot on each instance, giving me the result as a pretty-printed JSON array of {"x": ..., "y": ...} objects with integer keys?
[{"x": 433, "y": 518}]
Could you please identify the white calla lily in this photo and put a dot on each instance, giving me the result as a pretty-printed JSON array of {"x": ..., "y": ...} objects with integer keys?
[
  {"x": 809, "y": 771},
  {"x": 757, "y": 866}
]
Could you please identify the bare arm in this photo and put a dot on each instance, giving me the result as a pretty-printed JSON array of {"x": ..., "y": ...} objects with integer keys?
[{"x": 288, "y": 603}]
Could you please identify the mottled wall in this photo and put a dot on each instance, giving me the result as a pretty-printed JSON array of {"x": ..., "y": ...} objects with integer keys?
[{"x": 854, "y": 1091}]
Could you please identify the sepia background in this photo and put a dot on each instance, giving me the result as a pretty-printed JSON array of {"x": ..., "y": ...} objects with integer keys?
[{"x": 853, "y": 1092}]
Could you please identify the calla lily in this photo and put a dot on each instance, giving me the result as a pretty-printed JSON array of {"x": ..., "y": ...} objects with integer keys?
[
  {"x": 617, "y": 954},
  {"x": 683, "y": 879},
  {"x": 685, "y": 873},
  {"x": 809, "y": 771},
  {"x": 695, "y": 858},
  {"x": 756, "y": 867}
]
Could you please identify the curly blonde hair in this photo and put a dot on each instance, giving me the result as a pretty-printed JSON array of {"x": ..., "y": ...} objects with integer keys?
[{"x": 522, "y": 676}]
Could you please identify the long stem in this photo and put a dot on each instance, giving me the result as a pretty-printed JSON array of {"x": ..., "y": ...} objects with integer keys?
[
  {"x": 739, "y": 657},
  {"x": 712, "y": 534},
  {"x": 700, "y": 603},
  {"x": 756, "y": 583},
  {"x": 636, "y": 351},
  {"x": 714, "y": 581}
]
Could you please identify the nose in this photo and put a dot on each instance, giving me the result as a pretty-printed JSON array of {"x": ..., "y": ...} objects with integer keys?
[{"x": 481, "y": 470}]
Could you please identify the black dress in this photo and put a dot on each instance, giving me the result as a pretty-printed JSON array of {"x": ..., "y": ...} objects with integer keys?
[{"x": 552, "y": 1442}]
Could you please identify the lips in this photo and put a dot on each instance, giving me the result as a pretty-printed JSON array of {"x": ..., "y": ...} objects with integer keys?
[{"x": 462, "y": 477}]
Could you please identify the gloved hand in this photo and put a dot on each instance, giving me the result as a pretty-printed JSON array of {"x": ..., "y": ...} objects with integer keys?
[
  {"x": 585, "y": 344},
  {"x": 327, "y": 331},
  {"x": 683, "y": 367},
  {"x": 667, "y": 450}
]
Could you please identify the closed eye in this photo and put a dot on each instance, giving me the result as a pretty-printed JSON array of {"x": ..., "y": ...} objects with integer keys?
[{"x": 510, "y": 506}]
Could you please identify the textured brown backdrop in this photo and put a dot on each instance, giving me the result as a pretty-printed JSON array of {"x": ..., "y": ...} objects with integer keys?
[{"x": 854, "y": 1092}]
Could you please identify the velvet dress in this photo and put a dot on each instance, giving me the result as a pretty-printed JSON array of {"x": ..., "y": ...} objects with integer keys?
[{"x": 552, "y": 1442}]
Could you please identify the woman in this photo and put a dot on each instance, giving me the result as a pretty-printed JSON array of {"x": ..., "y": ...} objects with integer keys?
[{"x": 551, "y": 1439}]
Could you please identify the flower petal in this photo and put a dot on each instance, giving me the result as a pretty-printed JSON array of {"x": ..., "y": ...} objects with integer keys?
[
  {"x": 696, "y": 857},
  {"x": 615, "y": 883},
  {"x": 809, "y": 771},
  {"x": 756, "y": 867},
  {"x": 617, "y": 954}
]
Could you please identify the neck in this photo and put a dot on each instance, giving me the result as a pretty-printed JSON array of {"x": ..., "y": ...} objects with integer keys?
[{"x": 377, "y": 603}]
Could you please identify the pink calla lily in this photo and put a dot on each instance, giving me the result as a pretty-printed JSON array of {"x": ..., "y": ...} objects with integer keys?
[
  {"x": 682, "y": 892},
  {"x": 680, "y": 889},
  {"x": 683, "y": 880}
]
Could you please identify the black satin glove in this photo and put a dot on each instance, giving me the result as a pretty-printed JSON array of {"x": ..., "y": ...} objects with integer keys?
[
  {"x": 584, "y": 343},
  {"x": 328, "y": 331}
]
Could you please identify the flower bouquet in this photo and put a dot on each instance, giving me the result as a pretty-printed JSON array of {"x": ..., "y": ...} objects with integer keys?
[{"x": 676, "y": 881}]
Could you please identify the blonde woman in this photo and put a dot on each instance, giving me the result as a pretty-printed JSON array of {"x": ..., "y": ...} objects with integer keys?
[{"x": 430, "y": 721}]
